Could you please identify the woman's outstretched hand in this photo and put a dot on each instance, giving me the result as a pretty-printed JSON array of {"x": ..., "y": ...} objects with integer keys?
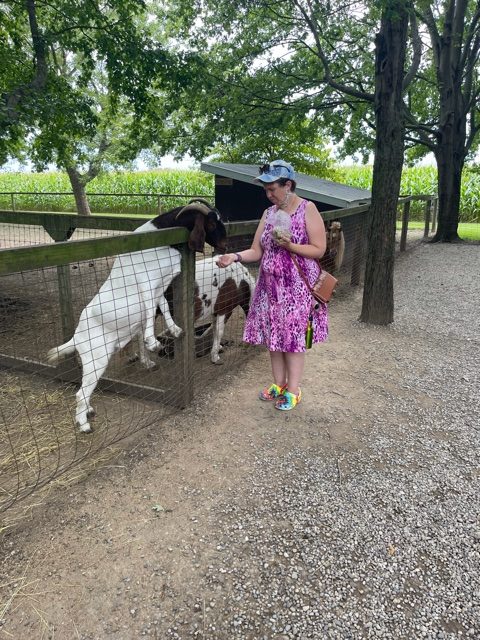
[{"x": 226, "y": 260}]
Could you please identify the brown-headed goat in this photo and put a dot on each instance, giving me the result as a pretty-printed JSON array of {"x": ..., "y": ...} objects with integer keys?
[{"x": 126, "y": 303}]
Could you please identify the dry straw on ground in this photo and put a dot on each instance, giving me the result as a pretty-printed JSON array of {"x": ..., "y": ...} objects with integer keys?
[{"x": 40, "y": 446}]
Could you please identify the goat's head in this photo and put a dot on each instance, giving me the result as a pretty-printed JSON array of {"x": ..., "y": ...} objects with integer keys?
[
  {"x": 335, "y": 228},
  {"x": 333, "y": 237},
  {"x": 204, "y": 223},
  {"x": 335, "y": 246}
]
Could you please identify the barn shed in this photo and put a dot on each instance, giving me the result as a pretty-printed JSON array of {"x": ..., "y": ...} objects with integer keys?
[{"x": 238, "y": 197}]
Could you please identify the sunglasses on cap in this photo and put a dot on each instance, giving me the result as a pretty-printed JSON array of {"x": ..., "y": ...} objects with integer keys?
[{"x": 273, "y": 169}]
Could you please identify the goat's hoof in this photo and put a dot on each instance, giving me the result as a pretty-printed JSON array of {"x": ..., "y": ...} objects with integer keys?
[
  {"x": 176, "y": 332},
  {"x": 149, "y": 365},
  {"x": 152, "y": 345},
  {"x": 217, "y": 361}
]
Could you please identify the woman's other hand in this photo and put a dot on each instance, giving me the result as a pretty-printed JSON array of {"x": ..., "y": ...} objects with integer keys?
[{"x": 282, "y": 238}]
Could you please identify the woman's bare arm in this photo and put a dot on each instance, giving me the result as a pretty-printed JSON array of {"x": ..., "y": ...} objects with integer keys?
[{"x": 247, "y": 255}]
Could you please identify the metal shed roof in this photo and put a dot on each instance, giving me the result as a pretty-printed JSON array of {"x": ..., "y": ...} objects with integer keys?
[{"x": 316, "y": 189}]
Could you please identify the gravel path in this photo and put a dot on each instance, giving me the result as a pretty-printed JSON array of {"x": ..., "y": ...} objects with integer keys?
[
  {"x": 354, "y": 516},
  {"x": 381, "y": 540}
]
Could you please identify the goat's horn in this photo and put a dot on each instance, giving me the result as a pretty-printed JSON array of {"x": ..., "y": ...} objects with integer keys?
[
  {"x": 203, "y": 200},
  {"x": 197, "y": 206}
]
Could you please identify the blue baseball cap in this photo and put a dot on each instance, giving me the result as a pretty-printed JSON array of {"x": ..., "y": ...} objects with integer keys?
[{"x": 275, "y": 171}]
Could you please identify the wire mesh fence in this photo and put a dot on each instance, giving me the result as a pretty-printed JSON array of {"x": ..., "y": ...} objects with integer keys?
[
  {"x": 114, "y": 379},
  {"x": 40, "y": 438},
  {"x": 41, "y": 308}
]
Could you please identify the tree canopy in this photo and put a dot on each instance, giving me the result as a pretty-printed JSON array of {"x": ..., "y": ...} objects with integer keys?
[
  {"x": 238, "y": 81},
  {"x": 80, "y": 80},
  {"x": 41, "y": 40},
  {"x": 273, "y": 66}
]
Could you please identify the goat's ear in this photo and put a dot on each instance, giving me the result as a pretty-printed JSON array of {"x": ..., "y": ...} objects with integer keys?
[{"x": 196, "y": 241}]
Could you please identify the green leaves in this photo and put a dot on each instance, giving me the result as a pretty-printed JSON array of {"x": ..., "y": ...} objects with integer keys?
[{"x": 77, "y": 38}]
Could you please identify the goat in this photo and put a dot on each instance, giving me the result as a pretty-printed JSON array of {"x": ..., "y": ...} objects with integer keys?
[
  {"x": 125, "y": 304},
  {"x": 333, "y": 258},
  {"x": 217, "y": 293}
]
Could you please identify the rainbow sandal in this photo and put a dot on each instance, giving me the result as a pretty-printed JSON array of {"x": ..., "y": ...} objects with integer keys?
[
  {"x": 288, "y": 400},
  {"x": 273, "y": 392}
]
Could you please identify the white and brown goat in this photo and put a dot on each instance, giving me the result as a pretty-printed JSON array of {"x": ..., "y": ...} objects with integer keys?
[
  {"x": 217, "y": 293},
  {"x": 126, "y": 303}
]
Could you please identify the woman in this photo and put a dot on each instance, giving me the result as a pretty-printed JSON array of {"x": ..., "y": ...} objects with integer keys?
[{"x": 282, "y": 303}]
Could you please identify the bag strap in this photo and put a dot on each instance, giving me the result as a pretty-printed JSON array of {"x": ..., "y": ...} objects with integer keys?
[{"x": 300, "y": 271}]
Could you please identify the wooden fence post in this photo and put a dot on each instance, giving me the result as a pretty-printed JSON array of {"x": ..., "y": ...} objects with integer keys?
[
  {"x": 405, "y": 219},
  {"x": 426, "y": 230},
  {"x": 183, "y": 294},
  {"x": 434, "y": 215},
  {"x": 60, "y": 229},
  {"x": 65, "y": 298}
]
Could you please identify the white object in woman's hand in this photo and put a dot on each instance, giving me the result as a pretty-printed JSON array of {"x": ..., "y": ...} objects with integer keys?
[
  {"x": 281, "y": 227},
  {"x": 281, "y": 236}
]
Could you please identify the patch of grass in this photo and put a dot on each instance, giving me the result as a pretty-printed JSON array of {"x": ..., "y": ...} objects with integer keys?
[
  {"x": 469, "y": 231},
  {"x": 466, "y": 230}
]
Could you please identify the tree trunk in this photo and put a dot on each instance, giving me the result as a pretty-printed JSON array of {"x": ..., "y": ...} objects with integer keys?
[
  {"x": 450, "y": 152},
  {"x": 23, "y": 95},
  {"x": 390, "y": 48},
  {"x": 449, "y": 185},
  {"x": 78, "y": 188},
  {"x": 450, "y": 155}
]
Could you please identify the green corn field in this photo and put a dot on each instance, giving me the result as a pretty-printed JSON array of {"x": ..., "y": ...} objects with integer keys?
[
  {"x": 419, "y": 181},
  {"x": 142, "y": 192},
  {"x": 150, "y": 192}
]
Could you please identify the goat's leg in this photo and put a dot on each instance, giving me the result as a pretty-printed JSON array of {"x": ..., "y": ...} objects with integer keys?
[
  {"x": 149, "y": 338},
  {"x": 173, "y": 329},
  {"x": 150, "y": 341},
  {"x": 219, "y": 328},
  {"x": 142, "y": 354},
  {"x": 93, "y": 367}
]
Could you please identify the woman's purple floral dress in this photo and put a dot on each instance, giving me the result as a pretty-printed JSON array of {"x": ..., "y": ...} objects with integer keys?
[{"x": 281, "y": 303}]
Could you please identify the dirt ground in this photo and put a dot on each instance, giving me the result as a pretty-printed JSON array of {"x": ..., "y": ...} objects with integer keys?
[
  {"x": 133, "y": 541},
  {"x": 128, "y": 552}
]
